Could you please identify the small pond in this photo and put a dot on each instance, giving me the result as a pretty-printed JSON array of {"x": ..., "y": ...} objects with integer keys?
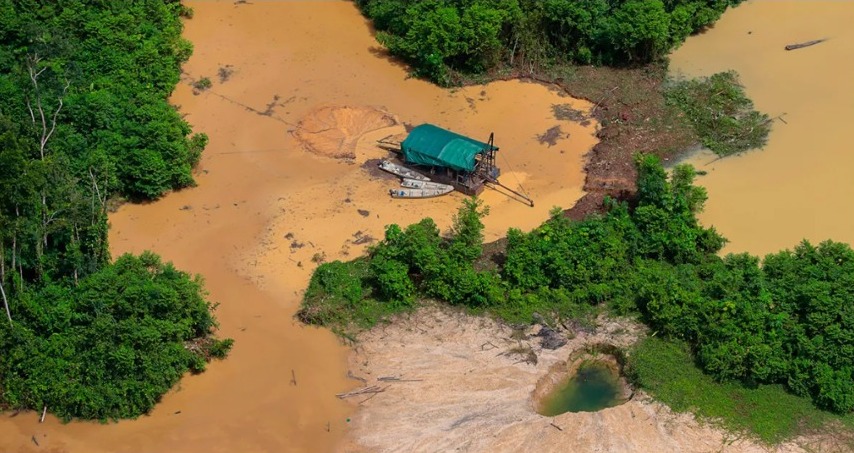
[{"x": 594, "y": 386}]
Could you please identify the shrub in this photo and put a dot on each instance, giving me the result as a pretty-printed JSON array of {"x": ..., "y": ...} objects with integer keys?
[
  {"x": 202, "y": 84},
  {"x": 721, "y": 113}
]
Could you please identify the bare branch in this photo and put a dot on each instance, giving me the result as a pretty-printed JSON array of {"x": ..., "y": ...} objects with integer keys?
[
  {"x": 55, "y": 114},
  {"x": 95, "y": 185},
  {"x": 47, "y": 132},
  {"x": 6, "y": 303},
  {"x": 30, "y": 108}
]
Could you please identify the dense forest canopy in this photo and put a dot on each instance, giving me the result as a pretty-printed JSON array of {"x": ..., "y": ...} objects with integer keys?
[
  {"x": 787, "y": 319},
  {"x": 439, "y": 37},
  {"x": 109, "y": 347},
  {"x": 84, "y": 119}
]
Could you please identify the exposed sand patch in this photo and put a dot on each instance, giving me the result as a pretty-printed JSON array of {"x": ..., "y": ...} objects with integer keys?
[
  {"x": 469, "y": 395},
  {"x": 332, "y": 131}
]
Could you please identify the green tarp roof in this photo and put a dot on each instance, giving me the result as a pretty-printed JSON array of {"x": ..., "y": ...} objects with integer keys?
[{"x": 431, "y": 145}]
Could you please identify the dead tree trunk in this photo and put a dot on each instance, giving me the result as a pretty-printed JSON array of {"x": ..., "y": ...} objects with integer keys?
[
  {"x": 47, "y": 130},
  {"x": 48, "y": 127},
  {"x": 5, "y": 303}
]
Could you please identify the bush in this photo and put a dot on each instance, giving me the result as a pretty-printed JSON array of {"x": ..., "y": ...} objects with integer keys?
[
  {"x": 202, "y": 84},
  {"x": 392, "y": 281},
  {"x": 721, "y": 113}
]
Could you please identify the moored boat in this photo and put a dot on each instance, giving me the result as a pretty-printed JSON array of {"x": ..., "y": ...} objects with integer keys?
[
  {"x": 401, "y": 171},
  {"x": 420, "y": 193},
  {"x": 419, "y": 184}
]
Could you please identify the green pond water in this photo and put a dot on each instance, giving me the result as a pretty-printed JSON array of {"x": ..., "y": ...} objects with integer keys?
[{"x": 594, "y": 387}]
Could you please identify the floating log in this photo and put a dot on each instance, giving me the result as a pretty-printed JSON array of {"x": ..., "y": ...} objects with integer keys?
[{"x": 805, "y": 44}]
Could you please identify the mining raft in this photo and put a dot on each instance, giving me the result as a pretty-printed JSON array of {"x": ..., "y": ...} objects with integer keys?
[{"x": 446, "y": 157}]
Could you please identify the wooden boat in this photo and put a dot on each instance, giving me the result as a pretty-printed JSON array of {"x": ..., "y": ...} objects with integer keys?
[
  {"x": 420, "y": 193},
  {"x": 401, "y": 171},
  {"x": 419, "y": 184}
]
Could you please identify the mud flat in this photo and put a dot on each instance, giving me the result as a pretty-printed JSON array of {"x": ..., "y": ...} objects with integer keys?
[
  {"x": 267, "y": 209},
  {"x": 466, "y": 384}
]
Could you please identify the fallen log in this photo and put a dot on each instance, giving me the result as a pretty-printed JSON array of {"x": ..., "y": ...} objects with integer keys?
[
  {"x": 397, "y": 379},
  {"x": 805, "y": 44},
  {"x": 361, "y": 391}
]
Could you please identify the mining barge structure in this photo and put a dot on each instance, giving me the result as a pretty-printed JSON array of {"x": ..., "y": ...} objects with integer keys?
[{"x": 449, "y": 158}]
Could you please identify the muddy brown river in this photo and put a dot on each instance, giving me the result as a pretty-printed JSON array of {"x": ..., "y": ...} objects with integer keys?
[
  {"x": 801, "y": 185},
  {"x": 265, "y": 209}
]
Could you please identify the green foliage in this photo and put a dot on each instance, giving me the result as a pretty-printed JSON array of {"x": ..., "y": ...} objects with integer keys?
[
  {"x": 202, "y": 84},
  {"x": 441, "y": 37},
  {"x": 113, "y": 65},
  {"x": 339, "y": 296},
  {"x": 665, "y": 215},
  {"x": 436, "y": 35},
  {"x": 407, "y": 264},
  {"x": 110, "y": 347},
  {"x": 84, "y": 118},
  {"x": 340, "y": 281},
  {"x": 639, "y": 30},
  {"x": 812, "y": 289},
  {"x": 787, "y": 321},
  {"x": 666, "y": 370},
  {"x": 467, "y": 232},
  {"x": 721, "y": 113}
]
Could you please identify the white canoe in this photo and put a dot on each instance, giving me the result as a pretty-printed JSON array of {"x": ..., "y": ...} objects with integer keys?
[
  {"x": 401, "y": 171},
  {"x": 419, "y": 184},
  {"x": 419, "y": 193}
]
